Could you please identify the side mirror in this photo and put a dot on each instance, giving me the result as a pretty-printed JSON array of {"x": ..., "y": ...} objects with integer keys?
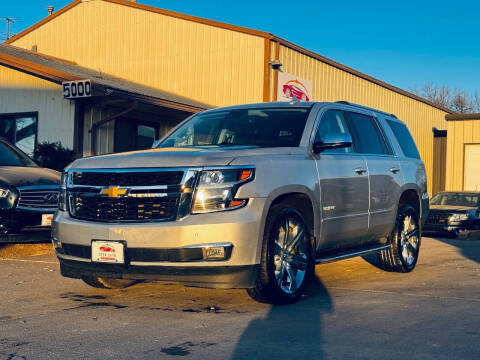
[{"x": 332, "y": 141}]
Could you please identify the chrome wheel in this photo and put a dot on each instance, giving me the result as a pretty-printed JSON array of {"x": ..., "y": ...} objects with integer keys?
[
  {"x": 290, "y": 254},
  {"x": 409, "y": 240}
]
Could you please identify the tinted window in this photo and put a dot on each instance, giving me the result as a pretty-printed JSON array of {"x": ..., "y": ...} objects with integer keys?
[
  {"x": 12, "y": 157},
  {"x": 366, "y": 134},
  {"x": 455, "y": 199},
  {"x": 264, "y": 127},
  {"x": 404, "y": 138},
  {"x": 332, "y": 122}
]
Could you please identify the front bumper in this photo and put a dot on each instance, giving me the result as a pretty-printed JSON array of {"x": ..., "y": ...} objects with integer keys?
[
  {"x": 21, "y": 226},
  {"x": 219, "y": 277},
  {"x": 241, "y": 228},
  {"x": 457, "y": 228}
]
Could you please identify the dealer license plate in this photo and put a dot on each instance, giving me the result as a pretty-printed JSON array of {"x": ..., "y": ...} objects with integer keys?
[
  {"x": 47, "y": 219},
  {"x": 108, "y": 251}
]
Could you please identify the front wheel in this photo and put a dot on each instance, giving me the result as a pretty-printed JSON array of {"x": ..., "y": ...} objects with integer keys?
[
  {"x": 402, "y": 255},
  {"x": 106, "y": 283},
  {"x": 287, "y": 262}
]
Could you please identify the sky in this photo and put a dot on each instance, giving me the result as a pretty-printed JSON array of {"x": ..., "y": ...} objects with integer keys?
[{"x": 404, "y": 43}]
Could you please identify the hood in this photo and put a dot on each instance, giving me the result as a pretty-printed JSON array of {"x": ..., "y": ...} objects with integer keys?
[
  {"x": 28, "y": 176},
  {"x": 175, "y": 157},
  {"x": 451, "y": 208}
]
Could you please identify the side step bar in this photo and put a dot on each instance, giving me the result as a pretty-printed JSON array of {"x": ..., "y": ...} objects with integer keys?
[{"x": 347, "y": 255}]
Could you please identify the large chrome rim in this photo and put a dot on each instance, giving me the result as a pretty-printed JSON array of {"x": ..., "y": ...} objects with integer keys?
[
  {"x": 409, "y": 240},
  {"x": 290, "y": 254}
]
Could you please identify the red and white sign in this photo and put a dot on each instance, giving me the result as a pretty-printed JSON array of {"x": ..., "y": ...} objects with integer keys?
[
  {"x": 108, "y": 251},
  {"x": 290, "y": 86},
  {"x": 47, "y": 219}
]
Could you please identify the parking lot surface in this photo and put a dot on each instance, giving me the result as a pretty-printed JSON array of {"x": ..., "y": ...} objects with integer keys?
[{"x": 352, "y": 310}]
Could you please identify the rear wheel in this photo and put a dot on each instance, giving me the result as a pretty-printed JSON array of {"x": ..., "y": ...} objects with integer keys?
[
  {"x": 106, "y": 283},
  {"x": 286, "y": 257},
  {"x": 402, "y": 255}
]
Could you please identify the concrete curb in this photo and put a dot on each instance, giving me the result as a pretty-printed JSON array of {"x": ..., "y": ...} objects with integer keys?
[{"x": 14, "y": 251}]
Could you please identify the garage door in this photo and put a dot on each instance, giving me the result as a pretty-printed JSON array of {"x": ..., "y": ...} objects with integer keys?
[{"x": 472, "y": 167}]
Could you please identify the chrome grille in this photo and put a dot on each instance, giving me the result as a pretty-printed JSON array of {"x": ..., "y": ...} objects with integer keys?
[
  {"x": 137, "y": 196},
  {"x": 38, "y": 198}
]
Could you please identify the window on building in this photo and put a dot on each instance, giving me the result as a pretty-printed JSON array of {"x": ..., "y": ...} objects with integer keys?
[
  {"x": 145, "y": 136},
  {"x": 404, "y": 138},
  {"x": 366, "y": 134},
  {"x": 20, "y": 130}
]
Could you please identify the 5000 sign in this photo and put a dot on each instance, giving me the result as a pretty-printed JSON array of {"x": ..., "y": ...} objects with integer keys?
[{"x": 77, "y": 89}]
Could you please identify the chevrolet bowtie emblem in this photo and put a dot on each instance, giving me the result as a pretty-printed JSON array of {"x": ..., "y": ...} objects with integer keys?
[{"x": 113, "y": 191}]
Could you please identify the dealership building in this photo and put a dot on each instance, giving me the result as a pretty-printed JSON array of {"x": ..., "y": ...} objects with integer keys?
[{"x": 104, "y": 76}]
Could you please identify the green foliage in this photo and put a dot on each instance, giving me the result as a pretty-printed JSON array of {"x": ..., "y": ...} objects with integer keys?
[{"x": 53, "y": 155}]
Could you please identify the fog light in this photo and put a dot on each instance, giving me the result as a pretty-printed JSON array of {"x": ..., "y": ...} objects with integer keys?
[{"x": 214, "y": 253}]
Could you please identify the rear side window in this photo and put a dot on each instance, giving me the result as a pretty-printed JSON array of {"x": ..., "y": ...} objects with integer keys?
[
  {"x": 404, "y": 138},
  {"x": 366, "y": 135}
]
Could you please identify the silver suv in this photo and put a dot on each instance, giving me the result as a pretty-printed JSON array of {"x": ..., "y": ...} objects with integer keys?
[{"x": 247, "y": 197}]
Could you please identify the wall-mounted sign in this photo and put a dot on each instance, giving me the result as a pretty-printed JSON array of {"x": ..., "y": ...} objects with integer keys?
[
  {"x": 290, "y": 86},
  {"x": 77, "y": 89}
]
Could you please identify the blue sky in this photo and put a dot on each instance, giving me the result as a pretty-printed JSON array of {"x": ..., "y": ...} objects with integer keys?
[{"x": 406, "y": 43}]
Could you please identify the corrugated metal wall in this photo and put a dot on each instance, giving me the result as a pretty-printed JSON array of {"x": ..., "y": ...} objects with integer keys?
[
  {"x": 460, "y": 132},
  {"x": 332, "y": 84},
  {"x": 439, "y": 164},
  {"x": 212, "y": 65},
  {"x": 20, "y": 92}
]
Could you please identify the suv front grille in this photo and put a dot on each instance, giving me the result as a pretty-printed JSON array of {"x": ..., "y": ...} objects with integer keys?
[
  {"x": 438, "y": 218},
  {"x": 130, "y": 178},
  {"x": 123, "y": 209},
  {"x": 137, "y": 196},
  {"x": 38, "y": 198}
]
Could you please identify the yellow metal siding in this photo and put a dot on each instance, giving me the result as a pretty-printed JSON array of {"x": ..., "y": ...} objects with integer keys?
[
  {"x": 459, "y": 133},
  {"x": 332, "y": 84},
  {"x": 209, "y": 64},
  {"x": 20, "y": 92}
]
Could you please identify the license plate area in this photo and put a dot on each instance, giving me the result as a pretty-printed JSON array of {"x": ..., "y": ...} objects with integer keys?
[
  {"x": 108, "y": 251},
  {"x": 46, "y": 220}
]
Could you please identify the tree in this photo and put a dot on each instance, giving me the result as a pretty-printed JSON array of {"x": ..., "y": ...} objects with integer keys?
[{"x": 457, "y": 100}]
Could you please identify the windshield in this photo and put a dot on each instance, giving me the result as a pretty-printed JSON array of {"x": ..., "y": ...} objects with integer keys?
[
  {"x": 455, "y": 199},
  {"x": 262, "y": 127},
  {"x": 10, "y": 156}
]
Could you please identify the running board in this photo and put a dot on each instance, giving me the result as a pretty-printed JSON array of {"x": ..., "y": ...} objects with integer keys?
[{"x": 343, "y": 256}]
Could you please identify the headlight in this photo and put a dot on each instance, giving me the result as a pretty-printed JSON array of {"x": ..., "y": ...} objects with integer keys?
[
  {"x": 216, "y": 190},
  {"x": 458, "y": 217},
  {"x": 4, "y": 193},
  {"x": 62, "y": 198},
  {"x": 8, "y": 197}
]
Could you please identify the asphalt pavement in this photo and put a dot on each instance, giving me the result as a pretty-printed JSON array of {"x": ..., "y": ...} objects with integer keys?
[{"x": 352, "y": 310}]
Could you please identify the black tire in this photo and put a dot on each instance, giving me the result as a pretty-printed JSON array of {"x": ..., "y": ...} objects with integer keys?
[
  {"x": 394, "y": 258},
  {"x": 282, "y": 291},
  {"x": 106, "y": 283}
]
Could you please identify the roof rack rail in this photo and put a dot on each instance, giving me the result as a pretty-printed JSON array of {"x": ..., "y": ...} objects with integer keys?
[{"x": 364, "y": 107}]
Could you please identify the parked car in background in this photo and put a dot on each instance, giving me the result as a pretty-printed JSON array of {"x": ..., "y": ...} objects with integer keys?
[
  {"x": 453, "y": 212},
  {"x": 249, "y": 196},
  {"x": 28, "y": 196}
]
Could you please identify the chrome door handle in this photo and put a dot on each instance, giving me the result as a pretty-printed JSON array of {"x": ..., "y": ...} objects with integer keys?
[
  {"x": 394, "y": 170},
  {"x": 360, "y": 171}
]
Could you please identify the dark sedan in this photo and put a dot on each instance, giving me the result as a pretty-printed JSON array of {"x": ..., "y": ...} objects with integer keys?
[
  {"x": 453, "y": 213},
  {"x": 28, "y": 197}
]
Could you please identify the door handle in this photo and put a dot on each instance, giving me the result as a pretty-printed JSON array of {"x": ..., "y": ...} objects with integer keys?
[
  {"x": 394, "y": 170},
  {"x": 360, "y": 171}
]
